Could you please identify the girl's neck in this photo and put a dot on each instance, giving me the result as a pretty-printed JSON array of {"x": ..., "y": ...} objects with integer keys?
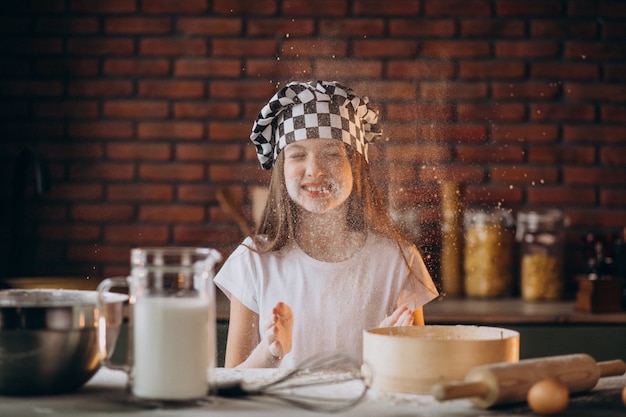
[{"x": 326, "y": 237}]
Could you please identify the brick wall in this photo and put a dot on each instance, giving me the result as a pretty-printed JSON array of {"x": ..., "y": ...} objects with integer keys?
[{"x": 141, "y": 109}]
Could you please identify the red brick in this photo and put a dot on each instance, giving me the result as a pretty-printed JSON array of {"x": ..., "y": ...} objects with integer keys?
[
  {"x": 600, "y": 92},
  {"x": 69, "y": 232},
  {"x": 206, "y": 109},
  {"x": 457, "y": 8},
  {"x": 337, "y": 69},
  {"x": 386, "y": 8},
  {"x": 136, "y": 234},
  {"x": 492, "y": 111},
  {"x": 346, "y": 27},
  {"x": 492, "y": 28},
  {"x": 172, "y": 46},
  {"x": 207, "y": 67},
  {"x": 423, "y": 28},
  {"x": 100, "y": 88},
  {"x": 73, "y": 150},
  {"x": 315, "y": 48},
  {"x": 64, "y": 109},
  {"x": 486, "y": 153},
  {"x": 381, "y": 49},
  {"x": 613, "y": 198},
  {"x": 67, "y": 66},
  {"x": 244, "y": 47},
  {"x": 527, "y": 49},
  {"x": 172, "y": 89},
  {"x": 419, "y": 112},
  {"x": 604, "y": 50},
  {"x": 613, "y": 155},
  {"x": 452, "y": 90},
  {"x": 561, "y": 111},
  {"x": 214, "y": 236},
  {"x": 606, "y": 8},
  {"x": 613, "y": 30},
  {"x": 67, "y": 25},
  {"x": 278, "y": 69},
  {"x": 228, "y": 130},
  {"x": 565, "y": 29},
  {"x": 238, "y": 89},
  {"x": 245, "y": 7},
  {"x": 314, "y": 8},
  {"x": 101, "y": 129},
  {"x": 597, "y": 218},
  {"x": 495, "y": 195},
  {"x": 561, "y": 196},
  {"x": 171, "y": 172},
  {"x": 379, "y": 91},
  {"x": 615, "y": 72},
  {"x": 99, "y": 253},
  {"x": 100, "y": 46},
  {"x": 137, "y": 25},
  {"x": 478, "y": 70},
  {"x": 549, "y": 8},
  {"x": 31, "y": 88},
  {"x": 285, "y": 28},
  {"x": 207, "y": 152},
  {"x": 570, "y": 154},
  {"x": 210, "y": 26},
  {"x": 594, "y": 133},
  {"x": 613, "y": 113},
  {"x": 102, "y": 212},
  {"x": 175, "y": 7},
  {"x": 237, "y": 172},
  {"x": 457, "y": 133},
  {"x": 171, "y": 214},
  {"x": 417, "y": 153},
  {"x": 106, "y": 171},
  {"x": 203, "y": 193},
  {"x": 420, "y": 70},
  {"x": 460, "y": 173},
  {"x": 75, "y": 192},
  {"x": 109, "y": 6},
  {"x": 136, "y": 67},
  {"x": 564, "y": 70},
  {"x": 170, "y": 130},
  {"x": 140, "y": 192},
  {"x": 533, "y": 133},
  {"x": 525, "y": 90},
  {"x": 455, "y": 49},
  {"x": 139, "y": 151},
  {"x": 131, "y": 109},
  {"x": 607, "y": 176},
  {"x": 516, "y": 174}
]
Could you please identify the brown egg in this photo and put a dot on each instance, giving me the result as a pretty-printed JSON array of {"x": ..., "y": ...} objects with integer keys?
[{"x": 548, "y": 396}]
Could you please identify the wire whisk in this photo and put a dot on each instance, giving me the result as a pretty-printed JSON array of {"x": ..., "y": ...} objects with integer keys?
[{"x": 325, "y": 383}]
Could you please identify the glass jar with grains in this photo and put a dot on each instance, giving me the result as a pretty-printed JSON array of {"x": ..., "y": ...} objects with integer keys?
[
  {"x": 487, "y": 255},
  {"x": 541, "y": 237}
]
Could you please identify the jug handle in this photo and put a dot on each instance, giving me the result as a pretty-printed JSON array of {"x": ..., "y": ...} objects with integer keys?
[{"x": 104, "y": 288}]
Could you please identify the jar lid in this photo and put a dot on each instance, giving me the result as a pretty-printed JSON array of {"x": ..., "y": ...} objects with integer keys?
[
  {"x": 534, "y": 219},
  {"x": 496, "y": 216}
]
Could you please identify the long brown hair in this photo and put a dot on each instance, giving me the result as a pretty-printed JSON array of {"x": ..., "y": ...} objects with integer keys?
[{"x": 366, "y": 208}]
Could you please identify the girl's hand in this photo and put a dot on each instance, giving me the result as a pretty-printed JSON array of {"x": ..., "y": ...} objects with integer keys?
[
  {"x": 402, "y": 316},
  {"x": 279, "y": 330}
]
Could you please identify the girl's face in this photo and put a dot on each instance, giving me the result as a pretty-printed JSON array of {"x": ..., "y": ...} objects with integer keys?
[{"x": 318, "y": 175}]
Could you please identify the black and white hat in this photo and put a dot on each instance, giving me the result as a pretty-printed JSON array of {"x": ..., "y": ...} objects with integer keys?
[{"x": 316, "y": 109}]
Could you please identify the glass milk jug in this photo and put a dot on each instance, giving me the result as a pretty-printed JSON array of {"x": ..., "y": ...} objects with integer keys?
[
  {"x": 541, "y": 237},
  {"x": 172, "y": 335}
]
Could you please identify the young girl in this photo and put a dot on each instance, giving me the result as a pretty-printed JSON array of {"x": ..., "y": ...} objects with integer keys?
[{"x": 326, "y": 261}]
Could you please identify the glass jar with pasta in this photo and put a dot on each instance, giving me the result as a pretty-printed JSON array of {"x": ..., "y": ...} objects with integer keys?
[
  {"x": 487, "y": 254},
  {"x": 541, "y": 237}
]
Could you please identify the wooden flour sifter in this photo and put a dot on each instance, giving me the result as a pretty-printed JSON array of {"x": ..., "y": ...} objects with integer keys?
[{"x": 503, "y": 383}]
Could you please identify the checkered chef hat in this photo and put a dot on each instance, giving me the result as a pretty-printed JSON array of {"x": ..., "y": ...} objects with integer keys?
[{"x": 316, "y": 109}]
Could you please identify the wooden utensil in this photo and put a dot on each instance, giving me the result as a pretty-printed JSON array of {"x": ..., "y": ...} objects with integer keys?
[
  {"x": 504, "y": 382},
  {"x": 229, "y": 204}
]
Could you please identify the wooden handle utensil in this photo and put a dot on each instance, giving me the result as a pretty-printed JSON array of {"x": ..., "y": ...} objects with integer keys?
[{"x": 504, "y": 382}]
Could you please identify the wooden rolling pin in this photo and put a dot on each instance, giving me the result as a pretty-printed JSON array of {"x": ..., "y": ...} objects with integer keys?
[{"x": 505, "y": 382}]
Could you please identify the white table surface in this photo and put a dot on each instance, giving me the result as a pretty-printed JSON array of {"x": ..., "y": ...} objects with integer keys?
[{"x": 104, "y": 395}]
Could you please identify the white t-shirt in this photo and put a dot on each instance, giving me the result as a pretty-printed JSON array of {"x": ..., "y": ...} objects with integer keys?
[{"x": 332, "y": 303}]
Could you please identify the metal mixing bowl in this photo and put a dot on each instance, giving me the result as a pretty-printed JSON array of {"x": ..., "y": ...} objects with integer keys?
[{"x": 49, "y": 339}]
